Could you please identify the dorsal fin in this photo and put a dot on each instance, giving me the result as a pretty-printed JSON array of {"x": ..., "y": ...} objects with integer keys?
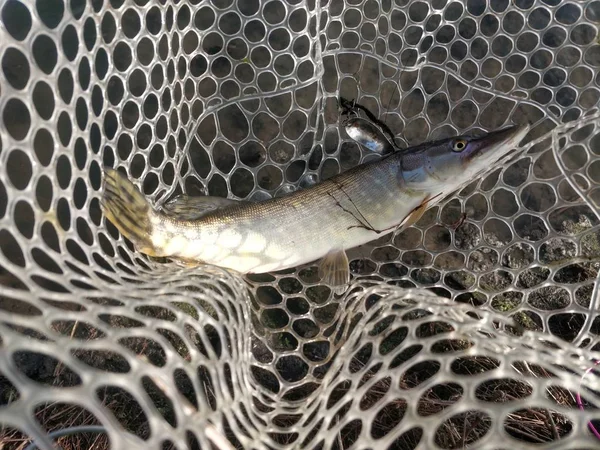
[{"x": 184, "y": 207}]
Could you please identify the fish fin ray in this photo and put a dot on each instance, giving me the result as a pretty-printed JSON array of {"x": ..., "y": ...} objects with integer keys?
[
  {"x": 184, "y": 207},
  {"x": 418, "y": 212},
  {"x": 415, "y": 215},
  {"x": 128, "y": 210},
  {"x": 187, "y": 263},
  {"x": 334, "y": 270}
]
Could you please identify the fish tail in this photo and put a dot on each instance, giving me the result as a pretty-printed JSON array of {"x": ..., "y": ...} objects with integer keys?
[{"x": 128, "y": 210}]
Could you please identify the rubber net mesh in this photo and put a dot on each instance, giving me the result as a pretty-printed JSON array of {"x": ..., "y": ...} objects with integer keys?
[{"x": 479, "y": 335}]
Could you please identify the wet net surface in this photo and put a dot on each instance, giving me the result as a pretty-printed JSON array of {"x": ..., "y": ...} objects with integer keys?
[{"x": 239, "y": 99}]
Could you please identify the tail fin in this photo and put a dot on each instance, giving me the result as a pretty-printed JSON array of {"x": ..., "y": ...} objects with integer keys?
[{"x": 128, "y": 210}]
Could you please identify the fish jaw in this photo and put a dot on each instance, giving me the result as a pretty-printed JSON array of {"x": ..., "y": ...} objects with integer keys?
[
  {"x": 488, "y": 149},
  {"x": 484, "y": 153}
]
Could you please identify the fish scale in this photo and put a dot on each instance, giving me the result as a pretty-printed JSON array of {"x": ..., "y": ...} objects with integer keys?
[
  {"x": 322, "y": 221},
  {"x": 349, "y": 215}
]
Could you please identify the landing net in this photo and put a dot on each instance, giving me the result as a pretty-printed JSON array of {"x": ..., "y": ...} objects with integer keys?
[{"x": 485, "y": 335}]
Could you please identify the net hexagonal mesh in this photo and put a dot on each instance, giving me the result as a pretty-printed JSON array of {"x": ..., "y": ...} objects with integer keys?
[{"x": 481, "y": 335}]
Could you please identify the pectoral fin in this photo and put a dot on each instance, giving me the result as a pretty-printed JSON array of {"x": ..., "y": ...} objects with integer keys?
[
  {"x": 416, "y": 213},
  {"x": 414, "y": 216},
  {"x": 334, "y": 270},
  {"x": 185, "y": 207}
]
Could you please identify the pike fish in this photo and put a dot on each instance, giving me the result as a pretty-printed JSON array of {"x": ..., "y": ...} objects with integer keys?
[{"x": 319, "y": 222}]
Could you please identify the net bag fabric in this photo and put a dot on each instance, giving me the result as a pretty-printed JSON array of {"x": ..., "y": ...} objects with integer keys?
[{"x": 483, "y": 335}]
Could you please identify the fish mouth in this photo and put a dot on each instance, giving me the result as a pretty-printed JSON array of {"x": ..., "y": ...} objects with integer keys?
[{"x": 496, "y": 144}]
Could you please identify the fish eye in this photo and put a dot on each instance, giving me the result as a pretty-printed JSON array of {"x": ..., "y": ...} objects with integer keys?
[{"x": 459, "y": 145}]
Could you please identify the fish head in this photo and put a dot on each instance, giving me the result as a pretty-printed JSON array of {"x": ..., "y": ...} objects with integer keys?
[{"x": 449, "y": 163}]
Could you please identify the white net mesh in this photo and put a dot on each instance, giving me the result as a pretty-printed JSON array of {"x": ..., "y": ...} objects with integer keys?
[{"x": 239, "y": 99}]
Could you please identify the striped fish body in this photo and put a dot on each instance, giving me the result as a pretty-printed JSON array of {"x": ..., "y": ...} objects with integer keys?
[
  {"x": 322, "y": 221},
  {"x": 343, "y": 212}
]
